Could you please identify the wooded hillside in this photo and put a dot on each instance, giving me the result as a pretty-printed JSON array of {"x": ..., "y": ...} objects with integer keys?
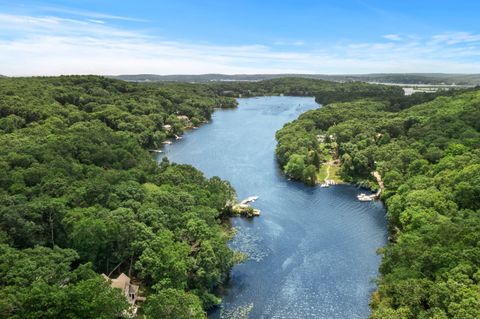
[{"x": 80, "y": 195}]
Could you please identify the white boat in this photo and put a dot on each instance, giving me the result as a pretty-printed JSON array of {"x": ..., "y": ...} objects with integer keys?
[
  {"x": 366, "y": 198},
  {"x": 167, "y": 142},
  {"x": 324, "y": 185},
  {"x": 247, "y": 200}
]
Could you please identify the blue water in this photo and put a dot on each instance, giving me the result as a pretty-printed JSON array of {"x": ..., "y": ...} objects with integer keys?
[{"x": 312, "y": 252}]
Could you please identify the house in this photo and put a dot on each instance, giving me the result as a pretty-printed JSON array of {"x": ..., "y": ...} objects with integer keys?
[
  {"x": 183, "y": 118},
  {"x": 123, "y": 283}
]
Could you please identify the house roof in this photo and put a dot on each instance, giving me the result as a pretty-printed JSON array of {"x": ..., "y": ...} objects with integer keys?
[{"x": 121, "y": 282}]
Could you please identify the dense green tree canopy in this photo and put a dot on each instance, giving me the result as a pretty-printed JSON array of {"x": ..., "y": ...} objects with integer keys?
[
  {"x": 80, "y": 195},
  {"x": 324, "y": 91},
  {"x": 171, "y": 303}
]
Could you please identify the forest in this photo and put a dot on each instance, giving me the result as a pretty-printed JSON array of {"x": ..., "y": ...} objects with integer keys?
[
  {"x": 80, "y": 195},
  {"x": 427, "y": 149},
  {"x": 324, "y": 91}
]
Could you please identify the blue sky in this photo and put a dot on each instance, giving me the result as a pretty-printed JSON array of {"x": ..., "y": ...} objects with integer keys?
[{"x": 204, "y": 36}]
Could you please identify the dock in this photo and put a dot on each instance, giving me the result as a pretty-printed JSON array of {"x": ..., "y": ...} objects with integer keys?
[
  {"x": 328, "y": 183},
  {"x": 368, "y": 198}
]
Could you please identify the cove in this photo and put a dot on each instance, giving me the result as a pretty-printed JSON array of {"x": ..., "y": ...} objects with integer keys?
[{"x": 312, "y": 252}]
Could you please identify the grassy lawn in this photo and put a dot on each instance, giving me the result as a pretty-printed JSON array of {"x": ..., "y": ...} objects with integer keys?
[
  {"x": 334, "y": 174},
  {"x": 322, "y": 173},
  {"x": 327, "y": 157},
  {"x": 334, "y": 170}
]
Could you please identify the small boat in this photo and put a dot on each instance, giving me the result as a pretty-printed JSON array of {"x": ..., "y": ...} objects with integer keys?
[
  {"x": 366, "y": 198},
  {"x": 324, "y": 185},
  {"x": 247, "y": 200},
  {"x": 156, "y": 151},
  {"x": 167, "y": 142}
]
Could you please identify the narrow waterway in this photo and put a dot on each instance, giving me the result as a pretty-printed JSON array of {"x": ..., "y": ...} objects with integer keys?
[{"x": 312, "y": 252}]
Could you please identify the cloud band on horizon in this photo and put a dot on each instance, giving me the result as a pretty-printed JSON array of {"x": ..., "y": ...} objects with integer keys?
[{"x": 53, "y": 45}]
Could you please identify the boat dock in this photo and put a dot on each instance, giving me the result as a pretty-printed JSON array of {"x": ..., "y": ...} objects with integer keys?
[
  {"x": 367, "y": 198},
  {"x": 328, "y": 183}
]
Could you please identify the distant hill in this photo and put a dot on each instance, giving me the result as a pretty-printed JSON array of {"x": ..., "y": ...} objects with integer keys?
[
  {"x": 404, "y": 78},
  {"x": 419, "y": 78}
]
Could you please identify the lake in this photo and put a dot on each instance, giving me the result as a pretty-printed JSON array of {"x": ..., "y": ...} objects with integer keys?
[{"x": 312, "y": 252}]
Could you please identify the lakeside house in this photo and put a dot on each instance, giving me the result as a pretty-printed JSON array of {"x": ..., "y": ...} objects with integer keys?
[
  {"x": 130, "y": 290},
  {"x": 183, "y": 118}
]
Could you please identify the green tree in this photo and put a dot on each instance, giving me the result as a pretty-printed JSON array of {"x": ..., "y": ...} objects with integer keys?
[
  {"x": 165, "y": 262},
  {"x": 172, "y": 303},
  {"x": 295, "y": 166},
  {"x": 310, "y": 174}
]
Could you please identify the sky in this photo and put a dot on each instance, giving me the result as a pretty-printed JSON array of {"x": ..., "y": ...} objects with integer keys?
[{"x": 110, "y": 37}]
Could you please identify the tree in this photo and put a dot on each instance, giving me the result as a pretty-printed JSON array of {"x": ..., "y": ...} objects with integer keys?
[
  {"x": 164, "y": 262},
  {"x": 94, "y": 298},
  {"x": 316, "y": 160},
  {"x": 173, "y": 303},
  {"x": 295, "y": 166},
  {"x": 310, "y": 174},
  {"x": 40, "y": 283}
]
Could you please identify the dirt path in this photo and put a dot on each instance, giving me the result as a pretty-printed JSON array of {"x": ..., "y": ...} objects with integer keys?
[
  {"x": 379, "y": 179},
  {"x": 329, "y": 165}
]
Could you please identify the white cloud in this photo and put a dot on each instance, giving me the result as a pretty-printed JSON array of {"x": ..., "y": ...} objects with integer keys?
[
  {"x": 392, "y": 37},
  {"x": 96, "y": 21},
  {"x": 296, "y": 43},
  {"x": 51, "y": 45},
  {"x": 89, "y": 14},
  {"x": 453, "y": 38}
]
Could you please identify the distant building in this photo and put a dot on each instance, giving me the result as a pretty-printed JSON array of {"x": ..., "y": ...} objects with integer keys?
[
  {"x": 408, "y": 91},
  {"x": 183, "y": 118}
]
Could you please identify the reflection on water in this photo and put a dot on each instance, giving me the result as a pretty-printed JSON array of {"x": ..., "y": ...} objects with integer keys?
[{"x": 312, "y": 252}]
